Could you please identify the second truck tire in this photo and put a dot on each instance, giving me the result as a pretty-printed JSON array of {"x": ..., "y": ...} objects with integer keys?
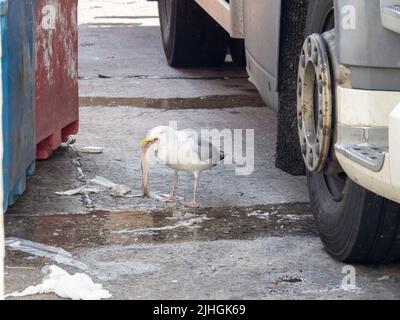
[
  {"x": 190, "y": 36},
  {"x": 355, "y": 225}
]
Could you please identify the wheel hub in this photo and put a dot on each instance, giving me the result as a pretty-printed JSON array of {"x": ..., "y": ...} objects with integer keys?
[{"x": 314, "y": 103}]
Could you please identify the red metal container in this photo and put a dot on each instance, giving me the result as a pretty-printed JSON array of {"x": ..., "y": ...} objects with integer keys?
[{"x": 56, "y": 48}]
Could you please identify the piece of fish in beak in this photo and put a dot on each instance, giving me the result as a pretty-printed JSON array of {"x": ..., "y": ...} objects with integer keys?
[
  {"x": 145, "y": 147},
  {"x": 145, "y": 171}
]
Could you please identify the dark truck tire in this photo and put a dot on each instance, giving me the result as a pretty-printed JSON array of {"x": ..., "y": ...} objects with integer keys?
[
  {"x": 191, "y": 38},
  {"x": 355, "y": 225},
  {"x": 361, "y": 227}
]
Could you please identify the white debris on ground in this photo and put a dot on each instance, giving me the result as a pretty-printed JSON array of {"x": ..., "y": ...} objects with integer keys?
[
  {"x": 116, "y": 190},
  {"x": 295, "y": 216},
  {"x": 69, "y": 143},
  {"x": 76, "y": 287},
  {"x": 91, "y": 150},
  {"x": 119, "y": 190},
  {"x": 266, "y": 215},
  {"x": 261, "y": 215},
  {"x": 80, "y": 190},
  {"x": 55, "y": 254},
  {"x": 181, "y": 224},
  {"x": 102, "y": 182}
]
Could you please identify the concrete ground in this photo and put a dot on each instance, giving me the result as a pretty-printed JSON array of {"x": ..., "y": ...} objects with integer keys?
[{"x": 253, "y": 236}]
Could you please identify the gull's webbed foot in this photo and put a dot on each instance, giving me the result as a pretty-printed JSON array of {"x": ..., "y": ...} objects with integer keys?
[{"x": 192, "y": 204}]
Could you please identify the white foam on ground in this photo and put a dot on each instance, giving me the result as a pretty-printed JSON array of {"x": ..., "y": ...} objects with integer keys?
[
  {"x": 55, "y": 254},
  {"x": 76, "y": 287}
]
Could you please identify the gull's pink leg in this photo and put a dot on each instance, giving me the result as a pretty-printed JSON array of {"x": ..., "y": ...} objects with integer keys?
[
  {"x": 193, "y": 203},
  {"x": 172, "y": 197}
]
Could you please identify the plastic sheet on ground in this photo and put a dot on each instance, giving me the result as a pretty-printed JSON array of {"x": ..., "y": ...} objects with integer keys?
[{"x": 76, "y": 287}]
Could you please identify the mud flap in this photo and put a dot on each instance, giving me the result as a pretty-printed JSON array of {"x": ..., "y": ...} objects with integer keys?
[{"x": 288, "y": 154}]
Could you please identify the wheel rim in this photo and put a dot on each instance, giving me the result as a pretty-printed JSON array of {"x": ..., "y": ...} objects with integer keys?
[
  {"x": 314, "y": 104},
  {"x": 335, "y": 179}
]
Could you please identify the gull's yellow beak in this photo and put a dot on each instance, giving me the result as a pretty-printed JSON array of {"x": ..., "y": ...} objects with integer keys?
[{"x": 146, "y": 141}]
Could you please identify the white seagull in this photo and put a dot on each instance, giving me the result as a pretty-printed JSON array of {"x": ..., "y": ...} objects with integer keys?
[{"x": 181, "y": 151}]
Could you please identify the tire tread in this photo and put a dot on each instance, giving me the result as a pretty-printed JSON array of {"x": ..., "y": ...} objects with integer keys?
[{"x": 195, "y": 38}]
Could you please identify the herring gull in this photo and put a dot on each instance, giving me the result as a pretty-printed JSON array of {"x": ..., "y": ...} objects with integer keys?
[{"x": 181, "y": 151}]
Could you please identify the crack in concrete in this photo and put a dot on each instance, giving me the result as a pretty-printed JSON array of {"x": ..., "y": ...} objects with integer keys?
[{"x": 76, "y": 161}]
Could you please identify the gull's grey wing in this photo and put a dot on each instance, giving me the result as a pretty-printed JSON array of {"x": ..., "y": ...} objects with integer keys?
[
  {"x": 209, "y": 152},
  {"x": 205, "y": 148}
]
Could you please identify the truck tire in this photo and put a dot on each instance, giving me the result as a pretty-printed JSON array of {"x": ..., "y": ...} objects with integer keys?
[
  {"x": 191, "y": 38},
  {"x": 320, "y": 17},
  {"x": 355, "y": 225}
]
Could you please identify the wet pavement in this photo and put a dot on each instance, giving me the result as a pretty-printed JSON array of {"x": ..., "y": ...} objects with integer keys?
[
  {"x": 174, "y": 225},
  {"x": 207, "y": 102},
  {"x": 252, "y": 237}
]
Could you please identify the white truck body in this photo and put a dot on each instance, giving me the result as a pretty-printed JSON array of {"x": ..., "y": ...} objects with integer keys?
[{"x": 258, "y": 22}]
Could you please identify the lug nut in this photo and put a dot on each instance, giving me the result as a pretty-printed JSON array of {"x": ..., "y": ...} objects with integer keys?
[
  {"x": 317, "y": 149},
  {"x": 303, "y": 149},
  {"x": 309, "y": 47},
  {"x": 315, "y": 57},
  {"x": 300, "y": 87},
  {"x": 303, "y": 60},
  {"x": 320, "y": 85},
  {"x": 311, "y": 161},
  {"x": 320, "y": 120}
]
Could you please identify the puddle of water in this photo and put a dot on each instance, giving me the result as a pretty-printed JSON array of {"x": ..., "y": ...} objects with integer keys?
[{"x": 74, "y": 232}]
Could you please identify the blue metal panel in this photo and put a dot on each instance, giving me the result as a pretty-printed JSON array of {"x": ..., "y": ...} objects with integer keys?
[{"x": 18, "y": 96}]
